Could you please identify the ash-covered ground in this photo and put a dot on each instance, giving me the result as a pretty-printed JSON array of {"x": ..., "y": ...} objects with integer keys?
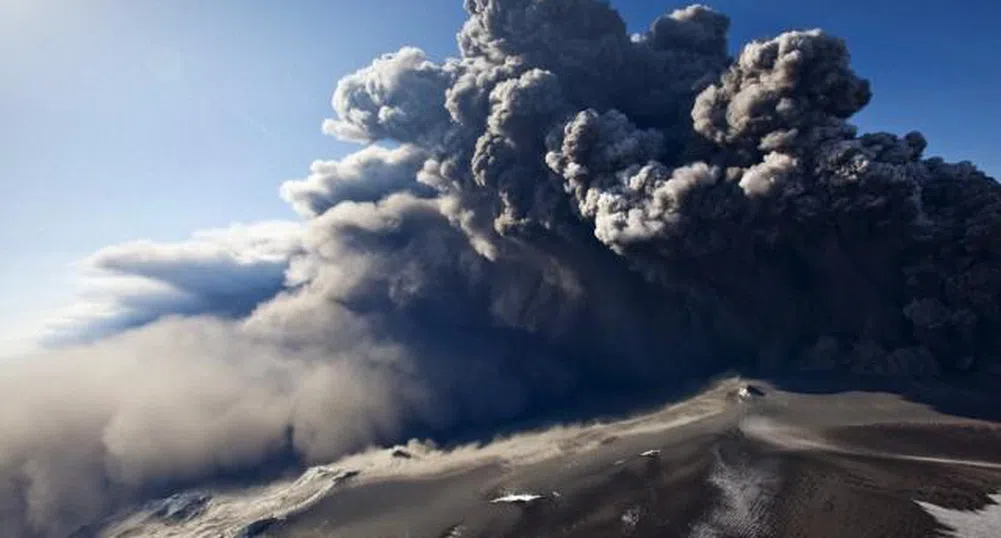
[{"x": 729, "y": 462}]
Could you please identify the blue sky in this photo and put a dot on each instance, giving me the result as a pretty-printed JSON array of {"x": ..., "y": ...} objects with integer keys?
[{"x": 151, "y": 119}]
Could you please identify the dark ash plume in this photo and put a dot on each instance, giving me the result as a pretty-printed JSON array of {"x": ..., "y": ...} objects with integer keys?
[{"x": 570, "y": 211}]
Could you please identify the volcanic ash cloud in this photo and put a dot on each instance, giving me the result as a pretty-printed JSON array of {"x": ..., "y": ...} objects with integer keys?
[{"x": 561, "y": 211}]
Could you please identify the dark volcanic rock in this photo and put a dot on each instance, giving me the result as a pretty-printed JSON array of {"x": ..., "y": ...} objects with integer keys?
[
  {"x": 182, "y": 506},
  {"x": 257, "y": 527}
]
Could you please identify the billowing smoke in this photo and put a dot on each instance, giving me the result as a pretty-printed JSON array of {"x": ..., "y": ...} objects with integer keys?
[
  {"x": 225, "y": 273},
  {"x": 567, "y": 210}
]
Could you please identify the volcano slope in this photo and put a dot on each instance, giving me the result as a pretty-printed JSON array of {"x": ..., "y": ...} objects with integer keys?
[{"x": 725, "y": 463}]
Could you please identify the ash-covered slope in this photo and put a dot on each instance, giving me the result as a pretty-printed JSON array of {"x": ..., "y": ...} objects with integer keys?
[
  {"x": 567, "y": 211},
  {"x": 728, "y": 462}
]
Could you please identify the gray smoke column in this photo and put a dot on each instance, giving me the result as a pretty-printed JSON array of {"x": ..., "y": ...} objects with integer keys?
[{"x": 566, "y": 210}]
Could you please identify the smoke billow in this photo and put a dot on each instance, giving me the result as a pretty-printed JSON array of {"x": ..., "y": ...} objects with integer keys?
[
  {"x": 568, "y": 210},
  {"x": 224, "y": 273}
]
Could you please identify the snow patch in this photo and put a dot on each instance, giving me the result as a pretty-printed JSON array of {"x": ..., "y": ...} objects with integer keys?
[
  {"x": 968, "y": 523},
  {"x": 747, "y": 489},
  {"x": 245, "y": 513},
  {"x": 631, "y": 518},
  {"x": 517, "y": 498}
]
